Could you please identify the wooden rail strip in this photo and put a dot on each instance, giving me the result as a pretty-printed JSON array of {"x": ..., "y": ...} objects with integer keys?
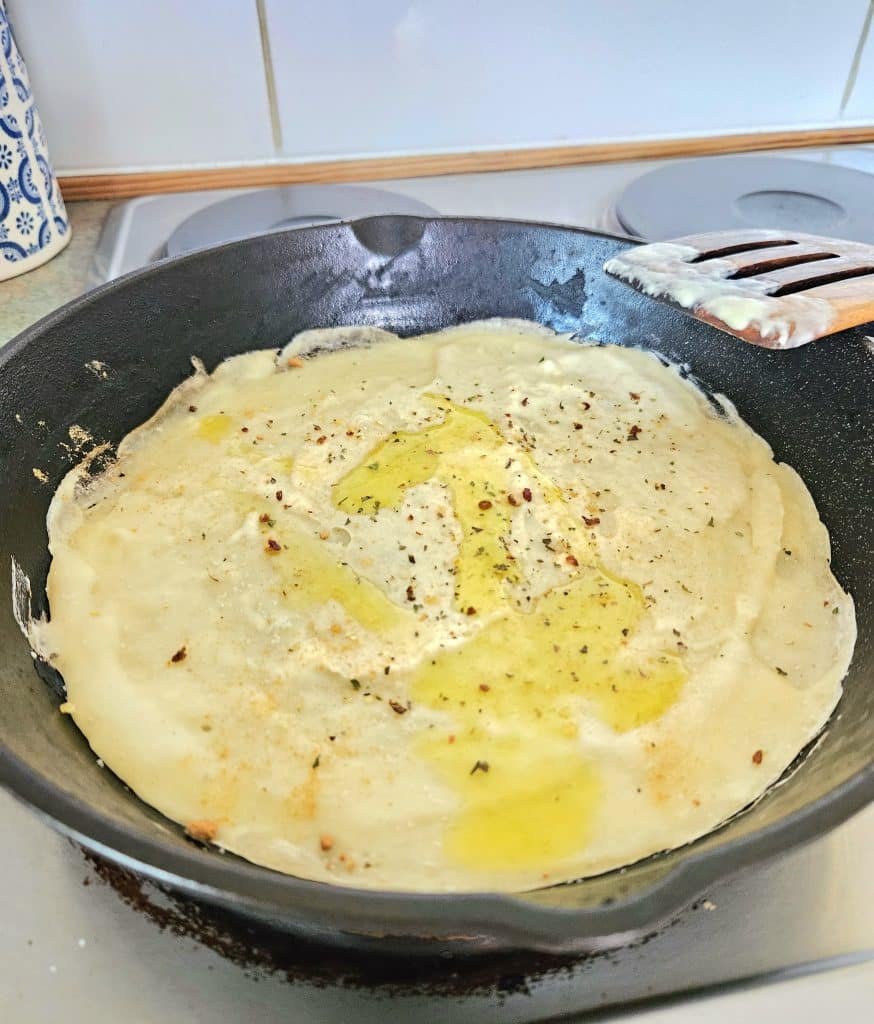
[{"x": 128, "y": 185}]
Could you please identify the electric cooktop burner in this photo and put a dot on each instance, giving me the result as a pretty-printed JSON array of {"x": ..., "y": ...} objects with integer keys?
[
  {"x": 276, "y": 209},
  {"x": 714, "y": 194}
]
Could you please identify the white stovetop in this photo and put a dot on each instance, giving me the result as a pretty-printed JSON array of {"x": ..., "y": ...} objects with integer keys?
[
  {"x": 800, "y": 930},
  {"x": 76, "y": 953}
]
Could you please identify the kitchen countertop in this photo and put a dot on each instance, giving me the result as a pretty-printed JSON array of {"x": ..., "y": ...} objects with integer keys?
[{"x": 24, "y": 299}]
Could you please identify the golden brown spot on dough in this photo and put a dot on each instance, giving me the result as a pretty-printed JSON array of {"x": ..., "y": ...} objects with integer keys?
[{"x": 203, "y": 830}]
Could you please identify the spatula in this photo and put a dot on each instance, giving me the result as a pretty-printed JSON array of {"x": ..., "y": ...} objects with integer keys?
[{"x": 772, "y": 288}]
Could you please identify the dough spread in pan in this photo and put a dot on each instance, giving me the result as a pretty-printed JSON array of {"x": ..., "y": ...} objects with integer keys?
[{"x": 484, "y": 609}]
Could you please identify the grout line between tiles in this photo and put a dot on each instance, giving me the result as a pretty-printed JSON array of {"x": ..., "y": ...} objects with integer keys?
[
  {"x": 857, "y": 59},
  {"x": 269, "y": 77}
]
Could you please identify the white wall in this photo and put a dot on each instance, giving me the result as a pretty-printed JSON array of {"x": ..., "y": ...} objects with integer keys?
[{"x": 134, "y": 84}]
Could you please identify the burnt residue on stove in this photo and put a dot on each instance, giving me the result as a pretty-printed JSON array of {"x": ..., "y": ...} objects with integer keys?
[{"x": 260, "y": 950}]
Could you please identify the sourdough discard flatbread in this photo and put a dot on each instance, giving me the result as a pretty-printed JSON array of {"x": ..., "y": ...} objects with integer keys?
[{"x": 482, "y": 609}]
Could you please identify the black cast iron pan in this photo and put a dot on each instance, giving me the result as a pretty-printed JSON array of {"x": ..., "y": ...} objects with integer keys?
[{"x": 410, "y": 275}]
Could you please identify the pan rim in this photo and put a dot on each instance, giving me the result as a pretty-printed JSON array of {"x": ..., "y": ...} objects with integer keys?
[{"x": 509, "y": 919}]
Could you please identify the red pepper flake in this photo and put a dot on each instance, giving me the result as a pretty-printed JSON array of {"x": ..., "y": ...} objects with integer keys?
[
  {"x": 512, "y": 499},
  {"x": 264, "y": 518},
  {"x": 571, "y": 560},
  {"x": 485, "y": 505},
  {"x": 397, "y": 707},
  {"x": 411, "y": 594},
  {"x": 451, "y": 739},
  {"x": 326, "y": 843},
  {"x": 578, "y": 426},
  {"x": 526, "y": 493},
  {"x": 757, "y": 757},
  {"x": 484, "y": 687},
  {"x": 180, "y": 655},
  {"x": 470, "y": 610},
  {"x": 633, "y": 432},
  {"x": 321, "y": 440},
  {"x": 634, "y": 396},
  {"x": 295, "y": 363},
  {"x": 279, "y": 495},
  {"x": 272, "y": 546},
  {"x": 591, "y": 520},
  {"x": 525, "y": 401}
]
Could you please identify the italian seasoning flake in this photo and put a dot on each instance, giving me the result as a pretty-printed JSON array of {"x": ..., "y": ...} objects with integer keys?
[
  {"x": 480, "y": 766},
  {"x": 180, "y": 655},
  {"x": 272, "y": 546}
]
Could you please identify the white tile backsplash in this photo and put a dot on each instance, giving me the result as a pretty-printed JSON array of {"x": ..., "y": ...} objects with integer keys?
[
  {"x": 132, "y": 84},
  {"x": 394, "y": 76},
  {"x": 860, "y": 106},
  {"x": 145, "y": 83}
]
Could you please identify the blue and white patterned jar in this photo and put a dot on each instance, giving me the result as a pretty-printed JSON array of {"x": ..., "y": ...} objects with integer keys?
[{"x": 33, "y": 222}]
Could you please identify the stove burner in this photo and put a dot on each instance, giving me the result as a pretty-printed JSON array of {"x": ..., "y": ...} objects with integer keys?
[
  {"x": 800, "y": 211},
  {"x": 278, "y": 209},
  {"x": 717, "y": 193}
]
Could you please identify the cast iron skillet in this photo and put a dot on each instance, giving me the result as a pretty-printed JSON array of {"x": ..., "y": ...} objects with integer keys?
[{"x": 410, "y": 275}]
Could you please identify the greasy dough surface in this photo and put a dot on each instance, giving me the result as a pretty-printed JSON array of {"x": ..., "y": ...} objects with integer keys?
[{"x": 482, "y": 609}]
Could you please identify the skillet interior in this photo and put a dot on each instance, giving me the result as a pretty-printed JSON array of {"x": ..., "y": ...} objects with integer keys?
[{"x": 412, "y": 275}]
